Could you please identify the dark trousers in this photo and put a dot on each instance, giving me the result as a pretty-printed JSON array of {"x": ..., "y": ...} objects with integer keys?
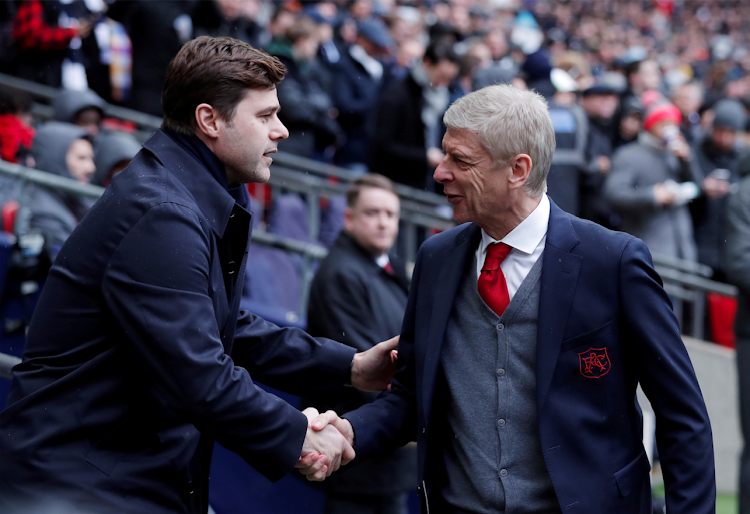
[
  {"x": 366, "y": 504},
  {"x": 743, "y": 368}
]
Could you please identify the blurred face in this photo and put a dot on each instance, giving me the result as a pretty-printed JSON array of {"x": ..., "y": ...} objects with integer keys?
[
  {"x": 649, "y": 75},
  {"x": 246, "y": 143},
  {"x": 470, "y": 179},
  {"x": 600, "y": 106},
  {"x": 373, "y": 221},
  {"x": 630, "y": 126},
  {"x": 442, "y": 73},
  {"x": 80, "y": 160},
  {"x": 306, "y": 48},
  {"x": 688, "y": 99},
  {"x": 723, "y": 138},
  {"x": 89, "y": 120},
  {"x": 658, "y": 129}
]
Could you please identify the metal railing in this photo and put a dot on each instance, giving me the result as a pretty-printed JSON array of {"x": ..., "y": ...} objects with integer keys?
[
  {"x": 310, "y": 252},
  {"x": 685, "y": 281}
]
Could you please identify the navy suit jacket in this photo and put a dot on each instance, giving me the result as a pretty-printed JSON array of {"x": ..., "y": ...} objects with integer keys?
[
  {"x": 601, "y": 295},
  {"x": 138, "y": 358}
]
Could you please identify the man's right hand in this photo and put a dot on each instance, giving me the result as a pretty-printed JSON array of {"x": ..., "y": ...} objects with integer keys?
[
  {"x": 663, "y": 196},
  {"x": 323, "y": 451}
]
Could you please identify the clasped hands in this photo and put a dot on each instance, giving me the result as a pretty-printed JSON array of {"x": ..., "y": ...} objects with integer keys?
[{"x": 329, "y": 441}]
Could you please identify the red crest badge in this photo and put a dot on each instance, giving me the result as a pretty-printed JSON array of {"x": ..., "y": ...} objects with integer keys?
[{"x": 594, "y": 362}]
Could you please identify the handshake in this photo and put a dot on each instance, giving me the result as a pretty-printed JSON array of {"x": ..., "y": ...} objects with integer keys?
[{"x": 328, "y": 445}]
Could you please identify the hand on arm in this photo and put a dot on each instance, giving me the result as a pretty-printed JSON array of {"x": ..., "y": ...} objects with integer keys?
[{"x": 373, "y": 370}]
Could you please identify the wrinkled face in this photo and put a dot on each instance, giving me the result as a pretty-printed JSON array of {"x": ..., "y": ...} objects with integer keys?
[
  {"x": 724, "y": 138},
  {"x": 442, "y": 73},
  {"x": 373, "y": 221},
  {"x": 244, "y": 145},
  {"x": 80, "y": 160},
  {"x": 474, "y": 185}
]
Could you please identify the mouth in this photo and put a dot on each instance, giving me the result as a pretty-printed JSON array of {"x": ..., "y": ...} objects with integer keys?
[
  {"x": 453, "y": 199},
  {"x": 269, "y": 152}
]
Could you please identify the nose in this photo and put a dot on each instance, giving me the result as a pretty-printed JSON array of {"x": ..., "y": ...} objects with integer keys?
[
  {"x": 279, "y": 131},
  {"x": 442, "y": 173}
]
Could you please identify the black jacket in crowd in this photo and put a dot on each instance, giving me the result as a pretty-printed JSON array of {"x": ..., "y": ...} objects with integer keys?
[
  {"x": 709, "y": 214},
  {"x": 399, "y": 150},
  {"x": 358, "y": 302}
]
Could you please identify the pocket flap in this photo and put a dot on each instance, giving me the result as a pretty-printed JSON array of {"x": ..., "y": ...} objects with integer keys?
[
  {"x": 588, "y": 337},
  {"x": 633, "y": 474}
]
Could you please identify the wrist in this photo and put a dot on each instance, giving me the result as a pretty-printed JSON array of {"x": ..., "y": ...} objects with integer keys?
[{"x": 348, "y": 381}]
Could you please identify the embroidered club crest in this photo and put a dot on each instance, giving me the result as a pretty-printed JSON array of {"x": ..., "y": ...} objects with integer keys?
[{"x": 594, "y": 362}]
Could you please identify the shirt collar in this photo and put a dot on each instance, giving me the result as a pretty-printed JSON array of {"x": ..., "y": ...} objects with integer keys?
[{"x": 526, "y": 236}]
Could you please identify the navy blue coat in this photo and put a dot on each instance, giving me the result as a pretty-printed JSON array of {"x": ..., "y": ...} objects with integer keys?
[
  {"x": 599, "y": 291},
  {"x": 138, "y": 358}
]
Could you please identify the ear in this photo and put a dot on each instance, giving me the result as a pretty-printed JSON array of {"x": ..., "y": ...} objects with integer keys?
[
  {"x": 348, "y": 219},
  {"x": 208, "y": 121},
  {"x": 520, "y": 168}
]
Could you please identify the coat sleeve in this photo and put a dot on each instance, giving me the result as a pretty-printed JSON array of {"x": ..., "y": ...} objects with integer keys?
[
  {"x": 621, "y": 190},
  {"x": 391, "y": 421},
  {"x": 157, "y": 288},
  {"x": 291, "y": 360},
  {"x": 683, "y": 431}
]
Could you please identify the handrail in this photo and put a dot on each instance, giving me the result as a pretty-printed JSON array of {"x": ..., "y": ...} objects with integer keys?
[{"x": 44, "y": 178}]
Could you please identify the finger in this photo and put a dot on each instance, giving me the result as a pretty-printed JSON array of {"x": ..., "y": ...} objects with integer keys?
[
  {"x": 307, "y": 461},
  {"x": 394, "y": 356},
  {"x": 319, "y": 476},
  {"x": 323, "y": 420},
  {"x": 348, "y": 455},
  {"x": 390, "y": 344},
  {"x": 316, "y": 467}
]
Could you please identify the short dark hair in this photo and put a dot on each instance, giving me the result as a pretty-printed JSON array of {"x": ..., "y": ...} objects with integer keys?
[
  {"x": 374, "y": 180},
  {"x": 218, "y": 71},
  {"x": 301, "y": 28},
  {"x": 441, "y": 50}
]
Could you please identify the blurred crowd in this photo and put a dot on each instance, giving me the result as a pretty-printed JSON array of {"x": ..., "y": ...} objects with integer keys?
[{"x": 649, "y": 98}]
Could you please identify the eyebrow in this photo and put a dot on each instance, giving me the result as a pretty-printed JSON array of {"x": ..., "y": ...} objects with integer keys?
[{"x": 269, "y": 110}]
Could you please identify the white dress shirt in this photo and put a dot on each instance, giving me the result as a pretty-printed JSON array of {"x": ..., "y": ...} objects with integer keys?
[{"x": 527, "y": 241}]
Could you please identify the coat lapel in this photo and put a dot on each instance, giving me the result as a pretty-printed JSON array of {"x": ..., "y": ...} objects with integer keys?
[
  {"x": 450, "y": 275},
  {"x": 560, "y": 271}
]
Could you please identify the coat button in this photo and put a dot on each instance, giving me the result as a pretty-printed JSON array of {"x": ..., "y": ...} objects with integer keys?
[
  {"x": 503, "y": 472},
  {"x": 424, "y": 430},
  {"x": 500, "y": 372},
  {"x": 500, "y": 326},
  {"x": 501, "y": 423}
]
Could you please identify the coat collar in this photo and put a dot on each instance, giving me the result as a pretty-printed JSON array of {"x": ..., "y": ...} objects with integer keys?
[{"x": 214, "y": 202}]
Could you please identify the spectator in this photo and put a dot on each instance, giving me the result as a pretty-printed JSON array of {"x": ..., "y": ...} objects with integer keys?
[
  {"x": 600, "y": 103},
  {"x": 688, "y": 99},
  {"x": 359, "y": 296},
  {"x": 408, "y": 129},
  {"x": 716, "y": 155},
  {"x": 646, "y": 185},
  {"x": 358, "y": 76},
  {"x": 308, "y": 113},
  {"x": 738, "y": 268},
  {"x": 114, "y": 151},
  {"x": 49, "y": 36},
  {"x": 230, "y": 18},
  {"x": 630, "y": 124},
  {"x": 16, "y": 135},
  {"x": 65, "y": 150},
  {"x": 82, "y": 108},
  {"x": 156, "y": 30}
]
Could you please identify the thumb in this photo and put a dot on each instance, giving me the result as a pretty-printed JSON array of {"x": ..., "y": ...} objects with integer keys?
[
  {"x": 325, "y": 419},
  {"x": 390, "y": 344},
  {"x": 348, "y": 454}
]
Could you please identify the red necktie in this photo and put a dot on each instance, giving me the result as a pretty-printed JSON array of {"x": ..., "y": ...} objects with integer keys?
[
  {"x": 388, "y": 268},
  {"x": 491, "y": 284}
]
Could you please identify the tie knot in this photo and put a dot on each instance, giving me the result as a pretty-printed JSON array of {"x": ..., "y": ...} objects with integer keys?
[{"x": 496, "y": 254}]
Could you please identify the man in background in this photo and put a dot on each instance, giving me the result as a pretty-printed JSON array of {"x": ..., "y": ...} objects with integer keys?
[{"x": 358, "y": 297}]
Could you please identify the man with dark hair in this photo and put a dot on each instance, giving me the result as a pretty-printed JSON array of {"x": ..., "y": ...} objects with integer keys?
[
  {"x": 138, "y": 358},
  {"x": 408, "y": 129},
  {"x": 358, "y": 297}
]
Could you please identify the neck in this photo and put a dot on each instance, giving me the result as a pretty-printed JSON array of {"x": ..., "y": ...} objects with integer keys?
[{"x": 505, "y": 222}]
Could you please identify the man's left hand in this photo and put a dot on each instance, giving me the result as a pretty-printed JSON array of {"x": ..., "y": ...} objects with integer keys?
[{"x": 372, "y": 370}]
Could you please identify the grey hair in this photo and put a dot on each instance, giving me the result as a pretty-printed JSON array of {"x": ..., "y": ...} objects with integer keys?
[{"x": 509, "y": 121}]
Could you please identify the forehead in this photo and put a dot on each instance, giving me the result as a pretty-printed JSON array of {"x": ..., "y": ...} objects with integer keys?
[
  {"x": 259, "y": 99},
  {"x": 370, "y": 197},
  {"x": 465, "y": 142}
]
